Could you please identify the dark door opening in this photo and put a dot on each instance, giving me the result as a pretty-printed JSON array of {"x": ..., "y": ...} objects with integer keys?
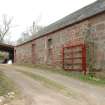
[
  {"x": 33, "y": 53},
  {"x": 8, "y": 49}
]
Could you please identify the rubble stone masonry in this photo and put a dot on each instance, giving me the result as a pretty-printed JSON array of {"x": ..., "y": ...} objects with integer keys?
[{"x": 92, "y": 29}]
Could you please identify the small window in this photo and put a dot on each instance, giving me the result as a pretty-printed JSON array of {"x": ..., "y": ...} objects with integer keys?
[{"x": 49, "y": 43}]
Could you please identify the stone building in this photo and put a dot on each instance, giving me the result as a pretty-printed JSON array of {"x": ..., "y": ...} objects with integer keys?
[{"x": 76, "y": 42}]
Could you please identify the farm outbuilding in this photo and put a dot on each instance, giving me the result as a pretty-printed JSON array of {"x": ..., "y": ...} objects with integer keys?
[
  {"x": 76, "y": 42},
  {"x": 8, "y": 49}
]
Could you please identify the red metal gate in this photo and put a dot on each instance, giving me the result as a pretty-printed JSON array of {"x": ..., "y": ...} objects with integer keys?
[{"x": 74, "y": 58}]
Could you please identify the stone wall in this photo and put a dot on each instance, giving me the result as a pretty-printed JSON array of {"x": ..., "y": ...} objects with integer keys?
[
  {"x": 97, "y": 32},
  {"x": 69, "y": 36},
  {"x": 23, "y": 53},
  {"x": 91, "y": 31}
]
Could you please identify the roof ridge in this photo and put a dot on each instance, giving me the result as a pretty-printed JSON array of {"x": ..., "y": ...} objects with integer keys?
[{"x": 79, "y": 15}]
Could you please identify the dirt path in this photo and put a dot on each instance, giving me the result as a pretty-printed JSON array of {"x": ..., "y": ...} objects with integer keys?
[{"x": 37, "y": 94}]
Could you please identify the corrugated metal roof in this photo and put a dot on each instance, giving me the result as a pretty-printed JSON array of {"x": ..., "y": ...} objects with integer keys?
[
  {"x": 86, "y": 12},
  {"x": 6, "y": 47}
]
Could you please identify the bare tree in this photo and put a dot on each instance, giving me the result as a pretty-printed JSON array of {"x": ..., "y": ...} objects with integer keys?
[
  {"x": 35, "y": 28},
  {"x": 19, "y": 41},
  {"x": 5, "y": 27},
  {"x": 8, "y": 40},
  {"x": 24, "y": 37},
  {"x": 31, "y": 31}
]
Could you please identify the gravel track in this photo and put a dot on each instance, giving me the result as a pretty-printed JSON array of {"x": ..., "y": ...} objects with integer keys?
[{"x": 35, "y": 93}]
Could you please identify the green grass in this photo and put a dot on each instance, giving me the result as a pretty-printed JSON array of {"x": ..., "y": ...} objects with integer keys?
[
  {"x": 6, "y": 85},
  {"x": 1, "y": 56},
  {"x": 75, "y": 75},
  {"x": 49, "y": 83}
]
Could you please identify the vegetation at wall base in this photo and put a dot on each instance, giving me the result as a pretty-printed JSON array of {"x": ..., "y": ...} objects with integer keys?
[
  {"x": 1, "y": 56},
  {"x": 76, "y": 75},
  {"x": 49, "y": 83},
  {"x": 6, "y": 85}
]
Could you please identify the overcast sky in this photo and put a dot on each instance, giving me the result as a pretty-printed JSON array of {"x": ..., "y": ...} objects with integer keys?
[{"x": 25, "y": 12}]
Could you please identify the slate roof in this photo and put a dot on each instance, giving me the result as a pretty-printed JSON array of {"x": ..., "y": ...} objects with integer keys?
[{"x": 86, "y": 12}]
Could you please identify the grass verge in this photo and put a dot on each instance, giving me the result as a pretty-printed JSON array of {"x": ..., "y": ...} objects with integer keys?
[
  {"x": 49, "y": 83},
  {"x": 6, "y": 85},
  {"x": 75, "y": 75}
]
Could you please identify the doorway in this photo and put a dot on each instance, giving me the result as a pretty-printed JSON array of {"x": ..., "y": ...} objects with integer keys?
[{"x": 33, "y": 53}]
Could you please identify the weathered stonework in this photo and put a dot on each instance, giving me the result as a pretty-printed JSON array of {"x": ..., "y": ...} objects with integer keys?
[
  {"x": 90, "y": 32},
  {"x": 69, "y": 36}
]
